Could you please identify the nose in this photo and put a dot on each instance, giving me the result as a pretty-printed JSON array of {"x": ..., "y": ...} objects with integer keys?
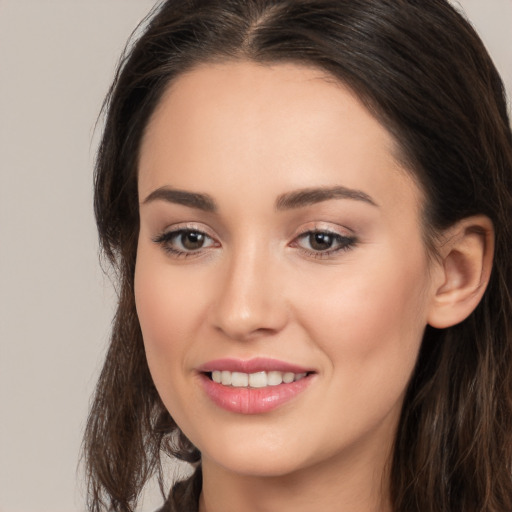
[{"x": 250, "y": 302}]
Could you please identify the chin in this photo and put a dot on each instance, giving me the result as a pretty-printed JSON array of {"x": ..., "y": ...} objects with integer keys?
[
  {"x": 262, "y": 466},
  {"x": 257, "y": 456},
  {"x": 250, "y": 453}
]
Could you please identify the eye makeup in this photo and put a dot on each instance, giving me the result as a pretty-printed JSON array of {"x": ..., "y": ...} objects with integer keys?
[
  {"x": 185, "y": 242},
  {"x": 190, "y": 241},
  {"x": 323, "y": 243}
]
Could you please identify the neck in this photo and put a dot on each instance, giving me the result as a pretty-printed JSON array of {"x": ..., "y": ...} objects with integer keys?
[{"x": 353, "y": 484}]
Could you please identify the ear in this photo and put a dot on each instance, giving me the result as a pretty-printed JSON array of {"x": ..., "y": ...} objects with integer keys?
[{"x": 466, "y": 253}]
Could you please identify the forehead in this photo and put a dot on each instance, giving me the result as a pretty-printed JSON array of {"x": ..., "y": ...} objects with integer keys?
[{"x": 287, "y": 125}]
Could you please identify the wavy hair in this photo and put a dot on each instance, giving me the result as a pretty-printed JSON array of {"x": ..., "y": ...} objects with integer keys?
[{"x": 422, "y": 71}]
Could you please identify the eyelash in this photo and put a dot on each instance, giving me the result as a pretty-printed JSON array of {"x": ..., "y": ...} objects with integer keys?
[
  {"x": 344, "y": 243},
  {"x": 166, "y": 241}
]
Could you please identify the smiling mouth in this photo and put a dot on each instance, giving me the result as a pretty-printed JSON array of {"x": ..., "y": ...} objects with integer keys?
[
  {"x": 254, "y": 380},
  {"x": 253, "y": 386}
]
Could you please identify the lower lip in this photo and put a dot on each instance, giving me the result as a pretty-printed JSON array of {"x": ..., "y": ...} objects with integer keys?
[{"x": 253, "y": 400}]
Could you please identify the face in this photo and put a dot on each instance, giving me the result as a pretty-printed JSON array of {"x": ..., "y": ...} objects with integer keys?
[{"x": 282, "y": 284}]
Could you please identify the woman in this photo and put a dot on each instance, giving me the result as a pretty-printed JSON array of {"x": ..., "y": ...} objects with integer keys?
[{"x": 308, "y": 204}]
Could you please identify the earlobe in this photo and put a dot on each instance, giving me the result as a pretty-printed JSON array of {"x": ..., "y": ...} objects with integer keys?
[{"x": 466, "y": 256}]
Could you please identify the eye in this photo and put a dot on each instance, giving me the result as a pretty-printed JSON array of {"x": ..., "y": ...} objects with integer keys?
[
  {"x": 184, "y": 242},
  {"x": 323, "y": 243},
  {"x": 320, "y": 241},
  {"x": 191, "y": 240}
]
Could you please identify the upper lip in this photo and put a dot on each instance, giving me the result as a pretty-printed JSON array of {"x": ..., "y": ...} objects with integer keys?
[{"x": 254, "y": 365}]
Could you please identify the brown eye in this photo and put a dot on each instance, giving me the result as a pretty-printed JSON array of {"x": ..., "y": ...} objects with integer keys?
[
  {"x": 321, "y": 241},
  {"x": 192, "y": 240},
  {"x": 185, "y": 242}
]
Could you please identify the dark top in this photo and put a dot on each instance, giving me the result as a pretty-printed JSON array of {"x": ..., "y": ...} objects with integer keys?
[{"x": 184, "y": 496}]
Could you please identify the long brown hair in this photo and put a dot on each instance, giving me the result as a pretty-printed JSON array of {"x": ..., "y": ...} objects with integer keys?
[{"x": 420, "y": 68}]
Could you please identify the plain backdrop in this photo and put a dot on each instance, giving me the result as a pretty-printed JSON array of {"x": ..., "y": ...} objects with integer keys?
[{"x": 56, "y": 61}]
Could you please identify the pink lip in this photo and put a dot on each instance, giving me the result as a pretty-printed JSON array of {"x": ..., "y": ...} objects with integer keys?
[{"x": 252, "y": 400}]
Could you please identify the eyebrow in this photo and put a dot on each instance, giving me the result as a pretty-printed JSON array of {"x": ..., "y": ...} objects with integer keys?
[
  {"x": 287, "y": 201},
  {"x": 308, "y": 196},
  {"x": 191, "y": 199}
]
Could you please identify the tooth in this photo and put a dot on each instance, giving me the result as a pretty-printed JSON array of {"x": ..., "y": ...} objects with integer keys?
[
  {"x": 274, "y": 378},
  {"x": 226, "y": 378},
  {"x": 255, "y": 380},
  {"x": 258, "y": 380},
  {"x": 288, "y": 377},
  {"x": 239, "y": 380}
]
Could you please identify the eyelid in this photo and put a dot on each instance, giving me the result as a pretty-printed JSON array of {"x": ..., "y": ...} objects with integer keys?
[
  {"x": 325, "y": 227},
  {"x": 165, "y": 236},
  {"x": 188, "y": 226},
  {"x": 345, "y": 239}
]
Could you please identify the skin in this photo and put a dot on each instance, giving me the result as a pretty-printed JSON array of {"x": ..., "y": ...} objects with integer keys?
[{"x": 246, "y": 134}]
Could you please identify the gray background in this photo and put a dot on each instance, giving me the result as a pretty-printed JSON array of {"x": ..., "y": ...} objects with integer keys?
[{"x": 56, "y": 61}]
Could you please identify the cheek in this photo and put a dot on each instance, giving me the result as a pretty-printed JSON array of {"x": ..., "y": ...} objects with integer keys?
[
  {"x": 167, "y": 309},
  {"x": 370, "y": 330},
  {"x": 370, "y": 323},
  {"x": 155, "y": 300}
]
